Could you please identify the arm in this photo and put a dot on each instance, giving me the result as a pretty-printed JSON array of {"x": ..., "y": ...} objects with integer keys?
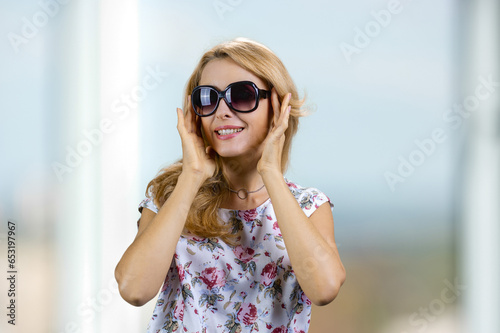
[
  {"x": 144, "y": 265},
  {"x": 310, "y": 242}
]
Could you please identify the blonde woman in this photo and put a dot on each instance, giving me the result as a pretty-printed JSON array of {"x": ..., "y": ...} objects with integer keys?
[{"x": 233, "y": 245}]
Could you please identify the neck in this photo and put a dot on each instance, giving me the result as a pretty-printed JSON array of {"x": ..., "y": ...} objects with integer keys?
[{"x": 242, "y": 174}]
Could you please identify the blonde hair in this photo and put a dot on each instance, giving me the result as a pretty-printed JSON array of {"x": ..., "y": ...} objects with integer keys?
[{"x": 256, "y": 58}]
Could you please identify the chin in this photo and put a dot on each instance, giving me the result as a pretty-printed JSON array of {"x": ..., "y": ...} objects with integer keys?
[
  {"x": 228, "y": 154},
  {"x": 247, "y": 153}
]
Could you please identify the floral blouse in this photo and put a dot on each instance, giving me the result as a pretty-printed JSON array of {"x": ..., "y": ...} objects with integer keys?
[{"x": 213, "y": 287}]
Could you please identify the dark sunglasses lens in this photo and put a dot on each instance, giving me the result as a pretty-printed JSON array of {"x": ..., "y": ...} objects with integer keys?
[
  {"x": 204, "y": 100},
  {"x": 243, "y": 97}
]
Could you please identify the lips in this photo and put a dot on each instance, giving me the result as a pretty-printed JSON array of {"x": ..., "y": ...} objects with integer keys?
[{"x": 227, "y": 132}]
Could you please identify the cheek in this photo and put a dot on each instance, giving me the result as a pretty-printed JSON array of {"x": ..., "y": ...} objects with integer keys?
[
  {"x": 266, "y": 122},
  {"x": 263, "y": 118},
  {"x": 262, "y": 126}
]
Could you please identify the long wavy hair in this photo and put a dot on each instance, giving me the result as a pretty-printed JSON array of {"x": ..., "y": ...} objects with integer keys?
[{"x": 256, "y": 58}]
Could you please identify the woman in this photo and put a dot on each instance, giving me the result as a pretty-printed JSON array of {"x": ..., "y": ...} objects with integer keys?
[{"x": 237, "y": 247}]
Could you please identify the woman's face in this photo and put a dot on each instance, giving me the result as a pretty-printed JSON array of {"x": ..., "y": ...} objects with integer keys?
[{"x": 251, "y": 128}]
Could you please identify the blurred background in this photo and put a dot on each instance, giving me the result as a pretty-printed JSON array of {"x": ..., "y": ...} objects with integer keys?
[{"x": 404, "y": 139}]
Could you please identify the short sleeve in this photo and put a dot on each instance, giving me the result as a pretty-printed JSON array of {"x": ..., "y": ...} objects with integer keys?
[
  {"x": 309, "y": 198},
  {"x": 149, "y": 204}
]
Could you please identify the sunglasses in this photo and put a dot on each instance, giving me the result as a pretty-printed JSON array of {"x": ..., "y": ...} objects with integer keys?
[{"x": 242, "y": 96}]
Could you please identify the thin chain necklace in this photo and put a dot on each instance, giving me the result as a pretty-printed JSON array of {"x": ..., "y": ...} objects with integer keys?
[{"x": 244, "y": 191}]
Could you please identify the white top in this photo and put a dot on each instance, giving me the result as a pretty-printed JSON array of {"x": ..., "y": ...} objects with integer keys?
[{"x": 214, "y": 287}]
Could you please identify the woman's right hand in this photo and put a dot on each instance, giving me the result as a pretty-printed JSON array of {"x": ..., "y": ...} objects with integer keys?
[{"x": 197, "y": 160}]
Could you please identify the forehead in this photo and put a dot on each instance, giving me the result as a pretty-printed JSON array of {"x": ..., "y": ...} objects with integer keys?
[{"x": 222, "y": 72}]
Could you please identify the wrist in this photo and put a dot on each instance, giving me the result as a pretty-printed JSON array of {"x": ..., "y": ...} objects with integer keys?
[
  {"x": 192, "y": 179},
  {"x": 270, "y": 173}
]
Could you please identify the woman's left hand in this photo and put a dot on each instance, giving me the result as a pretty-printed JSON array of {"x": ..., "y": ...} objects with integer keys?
[{"x": 273, "y": 144}]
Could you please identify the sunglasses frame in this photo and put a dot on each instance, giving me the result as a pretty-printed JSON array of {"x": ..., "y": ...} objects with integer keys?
[{"x": 260, "y": 93}]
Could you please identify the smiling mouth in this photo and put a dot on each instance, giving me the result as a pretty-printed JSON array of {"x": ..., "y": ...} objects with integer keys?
[{"x": 229, "y": 131}]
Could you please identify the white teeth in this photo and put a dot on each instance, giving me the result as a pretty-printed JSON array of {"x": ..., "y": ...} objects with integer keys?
[{"x": 229, "y": 131}]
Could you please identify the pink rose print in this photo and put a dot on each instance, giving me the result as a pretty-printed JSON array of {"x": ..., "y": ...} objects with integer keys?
[
  {"x": 248, "y": 215},
  {"x": 281, "y": 329},
  {"x": 213, "y": 277},
  {"x": 275, "y": 225},
  {"x": 269, "y": 273},
  {"x": 305, "y": 299},
  {"x": 165, "y": 284},
  {"x": 179, "y": 311},
  {"x": 180, "y": 269},
  {"x": 244, "y": 255},
  {"x": 247, "y": 314}
]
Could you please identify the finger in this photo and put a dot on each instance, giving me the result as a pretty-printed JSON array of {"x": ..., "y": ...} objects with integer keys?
[
  {"x": 284, "y": 106},
  {"x": 276, "y": 106},
  {"x": 188, "y": 117},
  {"x": 282, "y": 124},
  {"x": 286, "y": 102},
  {"x": 196, "y": 120},
  {"x": 180, "y": 120},
  {"x": 286, "y": 115}
]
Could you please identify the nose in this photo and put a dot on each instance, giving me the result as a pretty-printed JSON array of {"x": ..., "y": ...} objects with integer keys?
[{"x": 223, "y": 110}]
